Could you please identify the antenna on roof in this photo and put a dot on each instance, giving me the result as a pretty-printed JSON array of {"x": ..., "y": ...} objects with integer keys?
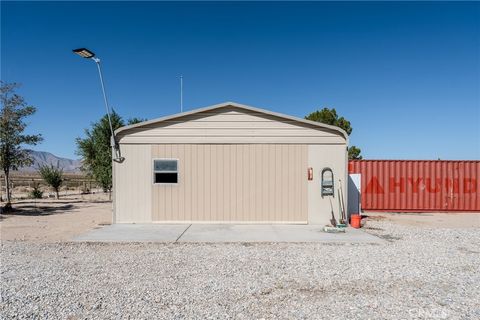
[{"x": 181, "y": 93}]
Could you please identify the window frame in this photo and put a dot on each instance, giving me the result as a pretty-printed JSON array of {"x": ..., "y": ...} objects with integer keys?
[{"x": 165, "y": 183}]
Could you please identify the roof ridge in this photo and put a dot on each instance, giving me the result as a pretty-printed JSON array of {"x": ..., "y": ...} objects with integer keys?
[{"x": 237, "y": 105}]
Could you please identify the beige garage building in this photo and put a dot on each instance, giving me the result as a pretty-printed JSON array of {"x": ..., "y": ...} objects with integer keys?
[{"x": 229, "y": 163}]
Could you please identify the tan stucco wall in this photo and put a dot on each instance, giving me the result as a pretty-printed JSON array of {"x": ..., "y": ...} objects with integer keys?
[{"x": 319, "y": 157}]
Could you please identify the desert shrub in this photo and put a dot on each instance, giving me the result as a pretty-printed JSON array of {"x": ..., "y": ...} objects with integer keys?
[{"x": 36, "y": 193}]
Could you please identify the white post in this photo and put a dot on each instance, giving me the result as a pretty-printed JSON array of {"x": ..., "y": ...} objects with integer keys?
[{"x": 181, "y": 93}]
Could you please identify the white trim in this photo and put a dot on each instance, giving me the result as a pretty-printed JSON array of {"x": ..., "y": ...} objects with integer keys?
[{"x": 165, "y": 183}]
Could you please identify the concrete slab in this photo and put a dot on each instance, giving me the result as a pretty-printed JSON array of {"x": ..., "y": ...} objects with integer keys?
[
  {"x": 273, "y": 233},
  {"x": 135, "y": 233},
  {"x": 223, "y": 233}
]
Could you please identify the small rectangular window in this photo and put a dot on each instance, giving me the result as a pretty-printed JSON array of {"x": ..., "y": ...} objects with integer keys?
[{"x": 165, "y": 171}]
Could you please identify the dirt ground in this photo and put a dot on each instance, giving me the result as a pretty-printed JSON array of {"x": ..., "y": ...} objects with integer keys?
[
  {"x": 49, "y": 220},
  {"x": 428, "y": 219}
]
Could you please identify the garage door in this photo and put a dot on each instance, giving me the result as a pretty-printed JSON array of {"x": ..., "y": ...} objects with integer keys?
[{"x": 233, "y": 183}]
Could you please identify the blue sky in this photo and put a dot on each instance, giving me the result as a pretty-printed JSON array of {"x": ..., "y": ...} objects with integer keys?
[{"x": 407, "y": 75}]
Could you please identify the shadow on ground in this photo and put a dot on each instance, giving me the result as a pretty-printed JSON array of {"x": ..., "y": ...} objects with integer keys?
[
  {"x": 37, "y": 210},
  {"x": 100, "y": 201}
]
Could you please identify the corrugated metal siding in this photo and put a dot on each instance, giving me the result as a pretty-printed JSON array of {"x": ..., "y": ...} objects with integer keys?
[
  {"x": 320, "y": 157},
  {"x": 133, "y": 185},
  {"x": 230, "y": 125},
  {"x": 417, "y": 185},
  {"x": 233, "y": 183}
]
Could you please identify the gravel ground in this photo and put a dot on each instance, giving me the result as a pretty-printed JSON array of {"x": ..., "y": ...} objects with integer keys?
[{"x": 418, "y": 273}]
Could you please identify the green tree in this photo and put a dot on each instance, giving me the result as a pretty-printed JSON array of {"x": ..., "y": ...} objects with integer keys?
[
  {"x": 96, "y": 152},
  {"x": 12, "y": 138},
  {"x": 330, "y": 116},
  {"x": 95, "y": 149},
  {"x": 135, "y": 120},
  {"x": 354, "y": 153},
  {"x": 53, "y": 176}
]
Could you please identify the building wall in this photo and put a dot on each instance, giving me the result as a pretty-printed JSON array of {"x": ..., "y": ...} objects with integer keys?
[
  {"x": 319, "y": 157},
  {"x": 230, "y": 125},
  {"x": 133, "y": 185},
  {"x": 235, "y": 165},
  {"x": 233, "y": 183},
  {"x": 229, "y": 183}
]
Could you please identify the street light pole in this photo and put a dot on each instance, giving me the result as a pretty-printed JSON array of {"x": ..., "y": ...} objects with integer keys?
[
  {"x": 113, "y": 143},
  {"x": 87, "y": 54}
]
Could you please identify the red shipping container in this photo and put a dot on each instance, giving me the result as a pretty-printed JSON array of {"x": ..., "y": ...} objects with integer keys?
[{"x": 418, "y": 185}]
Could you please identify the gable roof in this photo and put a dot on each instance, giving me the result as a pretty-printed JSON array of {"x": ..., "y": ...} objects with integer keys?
[{"x": 239, "y": 106}]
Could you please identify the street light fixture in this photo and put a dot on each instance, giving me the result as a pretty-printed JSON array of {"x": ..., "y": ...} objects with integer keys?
[
  {"x": 87, "y": 54},
  {"x": 84, "y": 53}
]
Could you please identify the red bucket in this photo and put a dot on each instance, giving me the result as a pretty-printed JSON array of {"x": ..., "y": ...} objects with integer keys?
[{"x": 355, "y": 220}]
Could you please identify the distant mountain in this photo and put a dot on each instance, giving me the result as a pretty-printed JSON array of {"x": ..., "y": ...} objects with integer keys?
[{"x": 41, "y": 158}]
